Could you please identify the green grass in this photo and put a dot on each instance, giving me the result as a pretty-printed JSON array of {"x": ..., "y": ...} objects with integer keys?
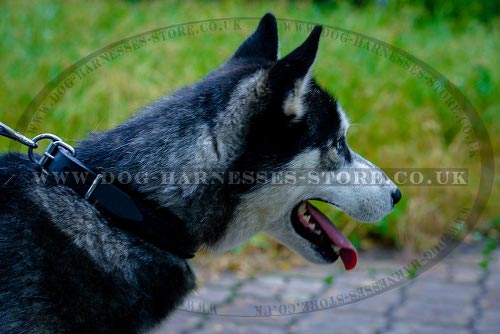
[{"x": 397, "y": 120}]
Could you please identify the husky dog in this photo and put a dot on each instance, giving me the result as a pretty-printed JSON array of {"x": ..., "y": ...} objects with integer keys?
[{"x": 64, "y": 268}]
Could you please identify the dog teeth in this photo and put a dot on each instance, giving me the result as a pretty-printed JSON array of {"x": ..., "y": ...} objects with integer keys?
[
  {"x": 307, "y": 217},
  {"x": 336, "y": 248},
  {"x": 317, "y": 232},
  {"x": 302, "y": 209},
  {"x": 312, "y": 226}
]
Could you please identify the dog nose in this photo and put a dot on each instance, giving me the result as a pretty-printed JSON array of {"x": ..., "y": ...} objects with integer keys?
[{"x": 396, "y": 196}]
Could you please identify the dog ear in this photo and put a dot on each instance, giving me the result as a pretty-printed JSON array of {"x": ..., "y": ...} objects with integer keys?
[
  {"x": 289, "y": 78},
  {"x": 263, "y": 42}
]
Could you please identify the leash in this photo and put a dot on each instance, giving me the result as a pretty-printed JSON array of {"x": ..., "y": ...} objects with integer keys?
[
  {"x": 13, "y": 134},
  {"x": 122, "y": 209}
]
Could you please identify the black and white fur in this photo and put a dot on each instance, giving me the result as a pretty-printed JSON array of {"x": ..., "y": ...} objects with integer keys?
[{"x": 64, "y": 269}]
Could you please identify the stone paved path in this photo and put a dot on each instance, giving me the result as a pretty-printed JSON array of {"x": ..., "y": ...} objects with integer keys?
[{"x": 455, "y": 296}]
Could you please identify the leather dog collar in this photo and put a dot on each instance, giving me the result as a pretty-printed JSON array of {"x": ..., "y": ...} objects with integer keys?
[
  {"x": 122, "y": 209},
  {"x": 157, "y": 226}
]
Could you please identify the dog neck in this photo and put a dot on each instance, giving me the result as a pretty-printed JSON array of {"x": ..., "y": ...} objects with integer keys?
[{"x": 122, "y": 208}]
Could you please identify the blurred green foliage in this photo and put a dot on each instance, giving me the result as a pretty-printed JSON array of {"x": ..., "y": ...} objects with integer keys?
[
  {"x": 456, "y": 11},
  {"x": 397, "y": 120}
]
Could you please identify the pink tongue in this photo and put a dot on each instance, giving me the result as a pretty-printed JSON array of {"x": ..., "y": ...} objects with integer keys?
[{"x": 348, "y": 253}]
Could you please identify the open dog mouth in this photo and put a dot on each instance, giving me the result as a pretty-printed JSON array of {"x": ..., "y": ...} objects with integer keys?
[{"x": 311, "y": 224}]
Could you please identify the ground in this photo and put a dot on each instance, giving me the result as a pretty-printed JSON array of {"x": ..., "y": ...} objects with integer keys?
[{"x": 456, "y": 296}]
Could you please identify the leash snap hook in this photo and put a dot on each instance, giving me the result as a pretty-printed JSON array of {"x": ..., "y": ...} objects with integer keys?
[{"x": 10, "y": 133}]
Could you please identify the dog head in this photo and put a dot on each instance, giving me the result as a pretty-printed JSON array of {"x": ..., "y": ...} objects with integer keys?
[{"x": 298, "y": 127}]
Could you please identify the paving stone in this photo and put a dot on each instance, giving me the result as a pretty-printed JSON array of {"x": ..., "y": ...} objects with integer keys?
[
  {"x": 224, "y": 280},
  {"x": 471, "y": 259},
  {"x": 344, "y": 292},
  {"x": 344, "y": 296},
  {"x": 263, "y": 287},
  {"x": 435, "y": 313},
  {"x": 338, "y": 322},
  {"x": 182, "y": 321},
  {"x": 488, "y": 321},
  {"x": 495, "y": 256},
  {"x": 250, "y": 306},
  {"x": 440, "y": 271},
  {"x": 245, "y": 307},
  {"x": 378, "y": 304},
  {"x": 490, "y": 300},
  {"x": 442, "y": 292},
  {"x": 270, "y": 322},
  {"x": 411, "y": 327},
  {"x": 466, "y": 274},
  {"x": 497, "y": 252},
  {"x": 494, "y": 267},
  {"x": 353, "y": 280},
  {"x": 228, "y": 326},
  {"x": 212, "y": 294},
  {"x": 385, "y": 265},
  {"x": 297, "y": 290},
  {"x": 441, "y": 300},
  {"x": 376, "y": 275},
  {"x": 315, "y": 271},
  {"x": 271, "y": 280},
  {"x": 492, "y": 281}
]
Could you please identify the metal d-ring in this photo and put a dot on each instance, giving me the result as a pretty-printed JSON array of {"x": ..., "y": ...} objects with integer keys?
[{"x": 55, "y": 141}]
